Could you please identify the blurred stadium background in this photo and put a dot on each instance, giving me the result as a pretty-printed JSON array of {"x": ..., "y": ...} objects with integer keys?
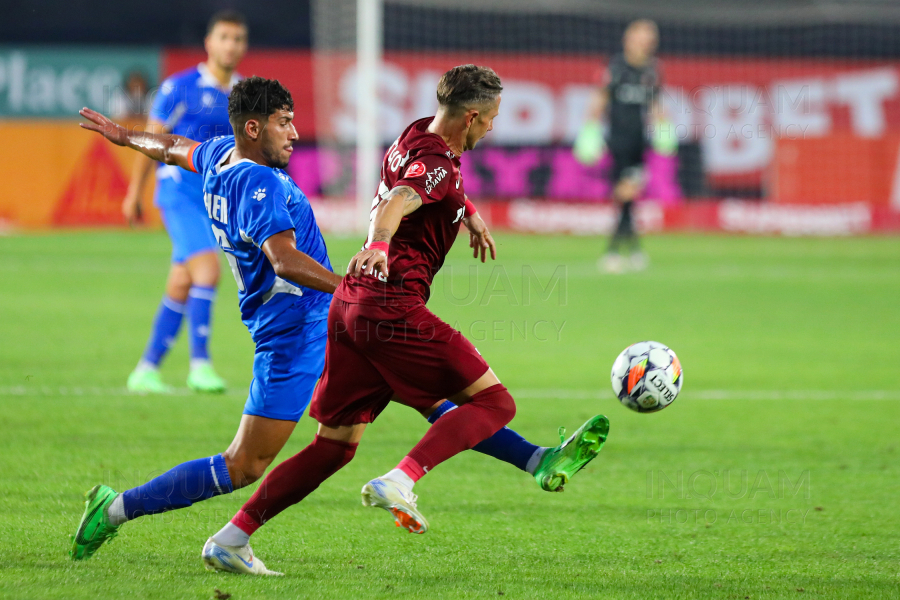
[
  {"x": 788, "y": 122},
  {"x": 787, "y": 113}
]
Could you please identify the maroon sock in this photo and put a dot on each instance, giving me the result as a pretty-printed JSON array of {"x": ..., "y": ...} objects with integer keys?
[
  {"x": 462, "y": 428},
  {"x": 293, "y": 480}
]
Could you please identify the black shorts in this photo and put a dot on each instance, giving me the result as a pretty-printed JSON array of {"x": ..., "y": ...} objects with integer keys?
[{"x": 628, "y": 163}]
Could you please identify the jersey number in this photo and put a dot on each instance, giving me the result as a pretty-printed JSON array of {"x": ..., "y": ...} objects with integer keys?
[
  {"x": 232, "y": 261},
  {"x": 395, "y": 159}
]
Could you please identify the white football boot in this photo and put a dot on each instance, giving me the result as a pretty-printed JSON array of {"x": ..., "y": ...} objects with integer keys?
[
  {"x": 234, "y": 559},
  {"x": 396, "y": 499},
  {"x": 639, "y": 261},
  {"x": 611, "y": 262}
]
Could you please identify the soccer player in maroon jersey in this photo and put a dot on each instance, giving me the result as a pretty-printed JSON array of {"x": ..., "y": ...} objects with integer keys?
[{"x": 384, "y": 344}]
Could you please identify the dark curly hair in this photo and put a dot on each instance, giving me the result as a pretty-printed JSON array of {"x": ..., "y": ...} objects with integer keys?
[{"x": 256, "y": 98}]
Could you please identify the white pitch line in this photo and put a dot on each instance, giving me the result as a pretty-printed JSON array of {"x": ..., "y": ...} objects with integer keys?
[
  {"x": 87, "y": 390},
  {"x": 860, "y": 395},
  {"x": 519, "y": 393}
]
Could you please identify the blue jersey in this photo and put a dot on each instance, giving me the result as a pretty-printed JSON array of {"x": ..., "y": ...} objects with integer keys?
[
  {"x": 192, "y": 104},
  {"x": 247, "y": 203}
]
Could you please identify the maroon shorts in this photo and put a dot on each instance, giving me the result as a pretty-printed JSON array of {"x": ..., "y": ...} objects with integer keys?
[{"x": 375, "y": 353}]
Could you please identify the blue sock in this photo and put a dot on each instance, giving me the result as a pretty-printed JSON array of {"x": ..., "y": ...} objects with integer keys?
[
  {"x": 180, "y": 487},
  {"x": 199, "y": 308},
  {"x": 505, "y": 445},
  {"x": 165, "y": 330}
]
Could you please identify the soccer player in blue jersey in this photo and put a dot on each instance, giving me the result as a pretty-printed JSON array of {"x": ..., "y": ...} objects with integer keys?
[
  {"x": 193, "y": 104},
  {"x": 267, "y": 229}
]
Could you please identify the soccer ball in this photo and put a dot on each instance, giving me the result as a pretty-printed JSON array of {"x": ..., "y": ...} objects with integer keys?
[{"x": 646, "y": 377}]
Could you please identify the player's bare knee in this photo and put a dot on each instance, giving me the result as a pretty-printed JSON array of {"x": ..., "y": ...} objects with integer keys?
[
  {"x": 204, "y": 269},
  {"x": 210, "y": 279},
  {"x": 626, "y": 191},
  {"x": 178, "y": 285}
]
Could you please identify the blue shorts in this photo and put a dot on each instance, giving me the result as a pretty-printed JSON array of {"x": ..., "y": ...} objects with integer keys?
[
  {"x": 185, "y": 219},
  {"x": 286, "y": 368}
]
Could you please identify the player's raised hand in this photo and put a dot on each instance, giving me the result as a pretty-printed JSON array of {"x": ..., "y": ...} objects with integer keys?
[
  {"x": 480, "y": 239},
  {"x": 369, "y": 262},
  {"x": 109, "y": 129}
]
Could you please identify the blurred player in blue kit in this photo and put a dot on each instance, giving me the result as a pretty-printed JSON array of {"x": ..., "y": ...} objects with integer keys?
[{"x": 194, "y": 104}]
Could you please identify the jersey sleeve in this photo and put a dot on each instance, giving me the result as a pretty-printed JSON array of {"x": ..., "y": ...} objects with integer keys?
[
  {"x": 263, "y": 210},
  {"x": 204, "y": 155},
  {"x": 164, "y": 102},
  {"x": 430, "y": 176}
]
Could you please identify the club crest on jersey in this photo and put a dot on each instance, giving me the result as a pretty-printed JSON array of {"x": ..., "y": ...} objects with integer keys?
[
  {"x": 433, "y": 178},
  {"x": 415, "y": 170}
]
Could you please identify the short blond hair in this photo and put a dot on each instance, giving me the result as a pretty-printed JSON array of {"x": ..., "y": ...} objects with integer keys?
[{"x": 468, "y": 85}]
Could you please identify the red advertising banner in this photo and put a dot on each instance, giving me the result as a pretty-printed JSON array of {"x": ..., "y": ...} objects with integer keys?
[
  {"x": 761, "y": 124},
  {"x": 730, "y": 216}
]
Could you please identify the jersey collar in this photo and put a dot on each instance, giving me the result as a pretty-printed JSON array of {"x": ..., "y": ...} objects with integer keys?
[
  {"x": 221, "y": 166},
  {"x": 207, "y": 79}
]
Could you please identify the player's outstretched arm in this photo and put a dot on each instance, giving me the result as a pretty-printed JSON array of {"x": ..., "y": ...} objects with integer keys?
[
  {"x": 399, "y": 202},
  {"x": 298, "y": 267},
  {"x": 167, "y": 148}
]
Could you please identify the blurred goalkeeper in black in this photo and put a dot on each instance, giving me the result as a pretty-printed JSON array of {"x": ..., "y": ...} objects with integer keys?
[{"x": 627, "y": 101}]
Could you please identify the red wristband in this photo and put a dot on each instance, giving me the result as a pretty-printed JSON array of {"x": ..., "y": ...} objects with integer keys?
[
  {"x": 470, "y": 208},
  {"x": 383, "y": 246}
]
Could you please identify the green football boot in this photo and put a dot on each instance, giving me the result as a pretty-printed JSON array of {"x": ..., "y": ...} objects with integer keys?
[
  {"x": 94, "y": 528},
  {"x": 203, "y": 378},
  {"x": 147, "y": 381},
  {"x": 558, "y": 465}
]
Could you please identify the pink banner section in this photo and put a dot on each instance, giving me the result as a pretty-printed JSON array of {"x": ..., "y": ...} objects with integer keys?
[
  {"x": 729, "y": 216},
  {"x": 499, "y": 173}
]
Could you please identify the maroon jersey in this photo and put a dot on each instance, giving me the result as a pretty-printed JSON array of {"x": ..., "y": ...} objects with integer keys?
[{"x": 424, "y": 162}]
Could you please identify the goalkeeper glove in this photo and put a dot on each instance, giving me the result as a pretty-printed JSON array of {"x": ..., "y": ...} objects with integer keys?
[
  {"x": 664, "y": 140},
  {"x": 589, "y": 145}
]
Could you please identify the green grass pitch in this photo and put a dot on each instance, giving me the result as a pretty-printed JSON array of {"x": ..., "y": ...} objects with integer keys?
[{"x": 774, "y": 475}]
